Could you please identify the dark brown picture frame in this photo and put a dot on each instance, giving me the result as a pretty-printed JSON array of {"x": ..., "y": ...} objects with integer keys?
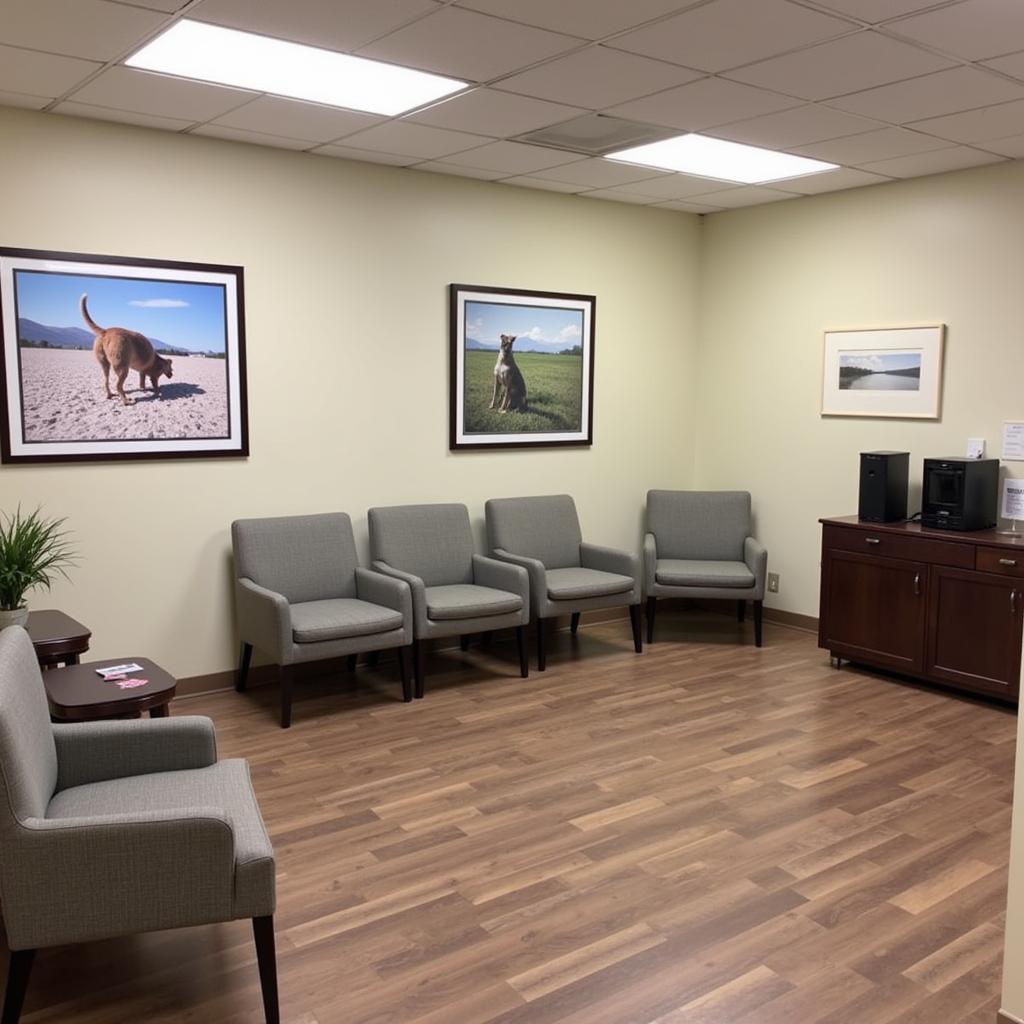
[
  {"x": 494, "y": 309},
  {"x": 16, "y": 447}
]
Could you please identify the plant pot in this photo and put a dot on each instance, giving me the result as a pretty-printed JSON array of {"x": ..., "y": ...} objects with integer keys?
[{"x": 13, "y": 617}]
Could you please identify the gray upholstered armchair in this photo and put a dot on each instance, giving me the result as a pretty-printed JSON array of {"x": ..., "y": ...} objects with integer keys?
[
  {"x": 301, "y": 596},
  {"x": 698, "y": 545},
  {"x": 454, "y": 591},
  {"x": 113, "y": 828},
  {"x": 567, "y": 576}
]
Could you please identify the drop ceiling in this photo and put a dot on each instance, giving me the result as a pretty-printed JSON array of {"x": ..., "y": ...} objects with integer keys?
[{"x": 887, "y": 89}]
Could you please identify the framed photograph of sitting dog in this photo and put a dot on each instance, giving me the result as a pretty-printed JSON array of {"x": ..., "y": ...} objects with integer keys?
[
  {"x": 112, "y": 358},
  {"x": 522, "y": 368}
]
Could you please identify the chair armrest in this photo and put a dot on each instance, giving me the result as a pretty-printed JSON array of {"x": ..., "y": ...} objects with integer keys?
[
  {"x": 76, "y": 879},
  {"x": 535, "y": 571},
  {"x": 650, "y": 561},
  {"x": 415, "y": 584},
  {"x": 492, "y": 572},
  {"x": 388, "y": 591},
  {"x": 264, "y": 618},
  {"x": 99, "y": 751},
  {"x": 756, "y": 557},
  {"x": 625, "y": 563}
]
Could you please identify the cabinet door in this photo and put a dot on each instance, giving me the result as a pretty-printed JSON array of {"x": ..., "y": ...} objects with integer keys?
[
  {"x": 974, "y": 630},
  {"x": 875, "y": 609}
]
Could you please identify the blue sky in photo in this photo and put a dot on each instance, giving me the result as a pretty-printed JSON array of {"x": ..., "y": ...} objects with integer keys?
[
  {"x": 177, "y": 313},
  {"x": 881, "y": 362},
  {"x": 537, "y": 327}
]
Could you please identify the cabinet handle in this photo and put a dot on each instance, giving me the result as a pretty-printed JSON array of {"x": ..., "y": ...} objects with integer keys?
[
  {"x": 1007, "y": 561},
  {"x": 872, "y": 540},
  {"x": 917, "y": 584}
]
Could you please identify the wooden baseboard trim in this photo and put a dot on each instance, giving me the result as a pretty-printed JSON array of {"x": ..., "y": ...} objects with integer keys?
[
  {"x": 1004, "y": 1017},
  {"x": 808, "y": 623}
]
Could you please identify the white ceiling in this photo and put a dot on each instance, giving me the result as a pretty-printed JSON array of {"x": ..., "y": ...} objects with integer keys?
[{"x": 886, "y": 88}]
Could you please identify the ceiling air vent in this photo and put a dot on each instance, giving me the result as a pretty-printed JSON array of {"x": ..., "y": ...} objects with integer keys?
[{"x": 596, "y": 134}]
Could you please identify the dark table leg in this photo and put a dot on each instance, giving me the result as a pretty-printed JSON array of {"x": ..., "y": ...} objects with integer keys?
[{"x": 160, "y": 711}]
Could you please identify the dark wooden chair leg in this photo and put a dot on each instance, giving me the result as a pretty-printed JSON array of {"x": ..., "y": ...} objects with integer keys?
[
  {"x": 634, "y": 620},
  {"x": 574, "y": 622},
  {"x": 243, "y": 668},
  {"x": 372, "y": 658},
  {"x": 18, "y": 972},
  {"x": 741, "y": 610},
  {"x": 350, "y": 662},
  {"x": 652, "y": 604},
  {"x": 758, "y": 611},
  {"x": 541, "y": 656},
  {"x": 420, "y": 665},
  {"x": 464, "y": 642},
  {"x": 266, "y": 957},
  {"x": 405, "y": 671},
  {"x": 486, "y": 637},
  {"x": 287, "y": 676},
  {"x": 524, "y": 660}
]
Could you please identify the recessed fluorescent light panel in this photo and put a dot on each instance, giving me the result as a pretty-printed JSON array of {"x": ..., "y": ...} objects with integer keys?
[
  {"x": 716, "y": 158},
  {"x": 209, "y": 53}
]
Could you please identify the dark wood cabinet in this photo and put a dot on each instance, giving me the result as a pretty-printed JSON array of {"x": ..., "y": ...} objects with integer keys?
[{"x": 941, "y": 606}]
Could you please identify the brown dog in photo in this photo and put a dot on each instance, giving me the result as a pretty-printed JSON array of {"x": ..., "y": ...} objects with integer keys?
[
  {"x": 508, "y": 379},
  {"x": 125, "y": 350}
]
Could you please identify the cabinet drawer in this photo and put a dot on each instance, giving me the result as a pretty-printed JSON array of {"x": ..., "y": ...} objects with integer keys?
[
  {"x": 1005, "y": 561},
  {"x": 891, "y": 545}
]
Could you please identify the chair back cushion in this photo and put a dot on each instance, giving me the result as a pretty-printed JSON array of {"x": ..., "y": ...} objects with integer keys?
[
  {"x": 28, "y": 754},
  {"x": 303, "y": 558},
  {"x": 434, "y": 542},
  {"x": 546, "y": 528},
  {"x": 696, "y": 525}
]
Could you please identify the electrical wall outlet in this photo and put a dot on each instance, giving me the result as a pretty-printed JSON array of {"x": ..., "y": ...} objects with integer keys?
[
  {"x": 975, "y": 447},
  {"x": 773, "y": 583}
]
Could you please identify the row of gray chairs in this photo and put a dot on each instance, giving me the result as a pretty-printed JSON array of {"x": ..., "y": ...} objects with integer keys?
[{"x": 301, "y": 595}]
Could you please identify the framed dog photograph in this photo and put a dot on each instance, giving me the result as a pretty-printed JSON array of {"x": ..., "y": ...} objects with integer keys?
[
  {"x": 105, "y": 358},
  {"x": 521, "y": 368}
]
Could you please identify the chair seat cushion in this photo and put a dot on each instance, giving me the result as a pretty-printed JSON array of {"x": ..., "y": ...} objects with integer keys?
[
  {"x": 468, "y": 601},
  {"x": 339, "y": 618},
  {"x": 681, "y": 572},
  {"x": 224, "y": 785},
  {"x": 576, "y": 583}
]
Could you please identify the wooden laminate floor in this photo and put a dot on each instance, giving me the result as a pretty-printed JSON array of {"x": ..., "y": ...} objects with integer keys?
[{"x": 703, "y": 834}]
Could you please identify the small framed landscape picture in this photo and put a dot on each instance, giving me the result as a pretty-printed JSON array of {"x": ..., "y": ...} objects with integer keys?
[
  {"x": 883, "y": 371},
  {"x": 111, "y": 358},
  {"x": 521, "y": 368}
]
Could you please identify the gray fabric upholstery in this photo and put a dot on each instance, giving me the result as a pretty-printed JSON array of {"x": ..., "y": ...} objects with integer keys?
[
  {"x": 468, "y": 601},
  {"x": 433, "y": 542},
  {"x": 339, "y": 618},
  {"x": 679, "y": 572},
  {"x": 699, "y": 524},
  {"x": 545, "y": 528},
  {"x": 302, "y": 558},
  {"x": 572, "y": 584},
  {"x": 118, "y": 827}
]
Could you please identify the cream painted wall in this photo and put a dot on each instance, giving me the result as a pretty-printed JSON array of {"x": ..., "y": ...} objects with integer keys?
[
  {"x": 347, "y": 267},
  {"x": 937, "y": 249}
]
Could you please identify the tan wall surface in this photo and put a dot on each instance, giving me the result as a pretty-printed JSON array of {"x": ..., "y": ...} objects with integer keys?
[{"x": 346, "y": 274}]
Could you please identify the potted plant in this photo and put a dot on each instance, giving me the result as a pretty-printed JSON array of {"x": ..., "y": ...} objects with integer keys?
[{"x": 33, "y": 550}]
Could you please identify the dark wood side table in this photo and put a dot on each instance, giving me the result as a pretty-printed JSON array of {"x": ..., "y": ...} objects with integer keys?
[
  {"x": 77, "y": 694},
  {"x": 57, "y": 638}
]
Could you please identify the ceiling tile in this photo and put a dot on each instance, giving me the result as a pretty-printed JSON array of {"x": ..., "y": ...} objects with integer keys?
[
  {"x": 974, "y": 29},
  {"x": 878, "y": 145},
  {"x": 168, "y": 6},
  {"x": 673, "y": 186},
  {"x": 330, "y": 24},
  {"x": 220, "y": 131},
  {"x": 293, "y": 119},
  {"x": 128, "y": 89},
  {"x": 745, "y": 195},
  {"x": 681, "y": 206},
  {"x": 440, "y": 167},
  {"x": 599, "y": 173},
  {"x": 944, "y": 92},
  {"x": 978, "y": 125},
  {"x": 727, "y": 33},
  {"x": 1010, "y": 65},
  {"x": 512, "y": 158},
  {"x": 619, "y": 196},
  {"x": 366, "y": 156},
  {"x": 467, "y": 45},
  {"x": 526, "y": 181},
  {"x": 831, "y": 181},
  {"x": 933, "y": 163},
  {"x": 855, "y": 62},
  {"x": 597, "y": 77},
  {"x": 23, "y": 100},
  {"x": 121, "y": 116},
  {"x": 711, "y": 101},
  {"x": 875, "y": 11},
  {"x": 797, "y": 126},
  {"x": 41, "y": 74},
  {"x": 1012, "y": 146},
  {"x": 77, "y": 28},
  {"x": 588, "y": 19},
  {"x": 418, "y": 140},
  {"x": 490, "y": 112}
]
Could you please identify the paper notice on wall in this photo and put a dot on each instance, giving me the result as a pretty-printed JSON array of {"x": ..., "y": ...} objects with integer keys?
[
  {"x": 1013, "y": 441},
  {"x": 1013, "y": 499}
]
